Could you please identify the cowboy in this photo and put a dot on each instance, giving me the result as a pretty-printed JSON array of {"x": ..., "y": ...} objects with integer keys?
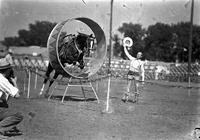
[{"x": 136, "y": 71}]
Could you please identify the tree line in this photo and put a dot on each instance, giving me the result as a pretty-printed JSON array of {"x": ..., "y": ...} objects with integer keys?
[{"x": 159, "y": 42}]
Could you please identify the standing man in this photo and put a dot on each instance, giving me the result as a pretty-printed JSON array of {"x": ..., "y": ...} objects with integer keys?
[{"x": 135, "y": 73}]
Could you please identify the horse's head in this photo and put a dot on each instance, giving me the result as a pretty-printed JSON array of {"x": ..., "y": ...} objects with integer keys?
[
  {"x": 85, "y": 44},
  {"x": 73, "y": 50}
]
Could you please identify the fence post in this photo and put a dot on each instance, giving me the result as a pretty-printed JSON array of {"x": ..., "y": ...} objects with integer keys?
[
  {"x": 29, "y": 82},
  {"x": 36, "y": 71}
]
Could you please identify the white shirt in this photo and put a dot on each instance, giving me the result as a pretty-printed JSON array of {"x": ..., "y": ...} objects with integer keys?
[{"x": 136, "y": 65}]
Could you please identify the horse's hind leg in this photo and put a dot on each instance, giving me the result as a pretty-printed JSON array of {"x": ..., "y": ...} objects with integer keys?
[
  {"x": 47, "y": 75},
  {"x": 50, "y": 83},
  {"x": 42, "y": 89}
]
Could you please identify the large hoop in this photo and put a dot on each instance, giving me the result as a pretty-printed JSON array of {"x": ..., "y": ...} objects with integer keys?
[{"x": 93, "y": 64}]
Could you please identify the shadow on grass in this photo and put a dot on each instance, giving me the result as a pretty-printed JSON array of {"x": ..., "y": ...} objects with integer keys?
[{"x": 72, "y": 98}]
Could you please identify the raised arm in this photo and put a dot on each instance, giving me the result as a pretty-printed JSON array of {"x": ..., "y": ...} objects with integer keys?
[{"x": 128, "y": 54}]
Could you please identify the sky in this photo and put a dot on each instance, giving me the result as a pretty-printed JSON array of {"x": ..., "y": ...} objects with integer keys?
[{"x": 18, "y": 14}]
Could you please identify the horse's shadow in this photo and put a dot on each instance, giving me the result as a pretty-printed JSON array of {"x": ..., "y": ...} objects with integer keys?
[{"x": 72, "y": 98}]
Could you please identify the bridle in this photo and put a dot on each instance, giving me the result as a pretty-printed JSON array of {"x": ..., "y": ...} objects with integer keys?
[
  {"x": 76, "y": 46},
  {"x": 88, "y": 45}
]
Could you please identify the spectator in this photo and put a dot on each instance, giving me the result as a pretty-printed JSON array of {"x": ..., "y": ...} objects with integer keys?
[
  {"x": 6, "y": 65},
  {"x": 8, "y": 121}
]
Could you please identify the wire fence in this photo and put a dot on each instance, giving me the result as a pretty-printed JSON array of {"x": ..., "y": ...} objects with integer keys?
[{"x": 119, "y": 69}]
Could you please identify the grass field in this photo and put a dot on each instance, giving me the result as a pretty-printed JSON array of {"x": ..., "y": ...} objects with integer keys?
[{"x": 163, "y": 113}]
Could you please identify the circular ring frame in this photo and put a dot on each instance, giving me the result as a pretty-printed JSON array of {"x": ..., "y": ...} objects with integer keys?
[
  {"x": 129, "y": 40},
  {"x": 94, "y": 64}
]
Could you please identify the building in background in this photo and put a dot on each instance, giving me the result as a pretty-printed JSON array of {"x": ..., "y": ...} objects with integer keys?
[{"x": 31, "y": 51}]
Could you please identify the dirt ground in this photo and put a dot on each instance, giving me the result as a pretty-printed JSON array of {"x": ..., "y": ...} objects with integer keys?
[{"x": 163, "y": 113}]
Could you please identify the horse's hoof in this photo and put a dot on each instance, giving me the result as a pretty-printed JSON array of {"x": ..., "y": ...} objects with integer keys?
[
  {"x": 46, "y": 95},
  {"x": 40, "y": 94}
]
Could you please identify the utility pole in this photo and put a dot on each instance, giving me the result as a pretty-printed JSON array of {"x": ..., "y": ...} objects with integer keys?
[
  {"x": 110, "y": 41},
  {"x": 109, "y": 63},
  {"x": 190, "y": 43}
]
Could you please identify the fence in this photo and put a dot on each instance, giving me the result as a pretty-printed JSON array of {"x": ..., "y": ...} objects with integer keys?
[{"x": 119, "y": 68}]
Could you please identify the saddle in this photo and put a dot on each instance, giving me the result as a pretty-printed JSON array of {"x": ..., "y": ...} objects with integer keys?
[{"x": 68, "y": 50}]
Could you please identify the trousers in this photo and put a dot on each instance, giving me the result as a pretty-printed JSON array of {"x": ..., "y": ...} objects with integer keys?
[{"x": 8, "y": 121}]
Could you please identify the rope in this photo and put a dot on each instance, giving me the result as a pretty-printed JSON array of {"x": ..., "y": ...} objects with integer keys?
[{"x": 71, "y": 82}]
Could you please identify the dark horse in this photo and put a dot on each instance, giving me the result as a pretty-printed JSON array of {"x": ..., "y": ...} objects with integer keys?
[{"x": 71, "y": 50}]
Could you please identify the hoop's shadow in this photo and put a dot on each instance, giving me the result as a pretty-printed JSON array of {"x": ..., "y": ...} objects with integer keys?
[{"x": 72, "y": 98}]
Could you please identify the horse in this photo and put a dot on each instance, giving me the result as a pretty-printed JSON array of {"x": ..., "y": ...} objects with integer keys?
[
  {"x": 71, "y": 50},
  {"x": 161, "y": 70}
]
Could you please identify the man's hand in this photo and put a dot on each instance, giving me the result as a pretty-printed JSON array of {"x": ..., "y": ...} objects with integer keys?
[
  {"x": 17, "y": 95},
  {"x": 142, "y": 83}
]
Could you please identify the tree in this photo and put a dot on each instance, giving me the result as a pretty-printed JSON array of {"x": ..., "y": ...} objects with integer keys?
[
  {"x": 182, "y": 30},
  {"x": 196, "y": 44},
  {"x": 37, "y": 34},
  {"x": 117, "y": 47},
  {"x": 158, "y": 42},
  {"x": 161, "y": 42},
  {"x": 136, "y": 33},
  {"x": 24, "y": 38},
  {"x": 10, "y": 41}
]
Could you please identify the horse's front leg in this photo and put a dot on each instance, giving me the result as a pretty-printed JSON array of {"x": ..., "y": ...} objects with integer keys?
[
  {"x": 44, "y": 83},
  {"x": 42, "y": 89},
  {"x": 81, "y": 62}
]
